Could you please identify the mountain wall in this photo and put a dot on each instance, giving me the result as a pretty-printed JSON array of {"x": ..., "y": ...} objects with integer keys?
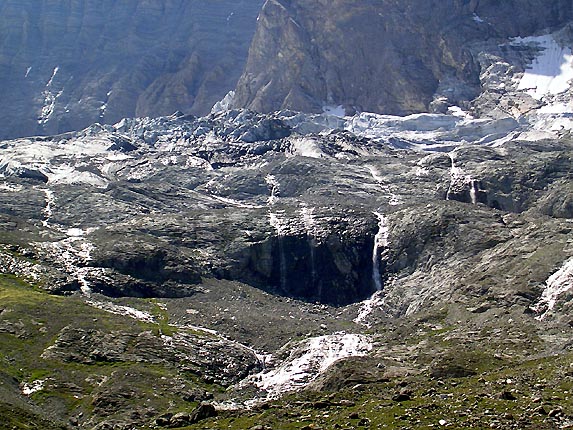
[
  {"x": 70, "y": 63},
  {"x": 393, "y": 57}
]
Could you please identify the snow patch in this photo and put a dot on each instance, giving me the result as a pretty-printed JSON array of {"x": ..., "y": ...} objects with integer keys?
[
  {"x": 332, "y": 110},
  {"x": 459, "y": 112},
  {"x": 68, "y": 174},
  {"x": 556, "y": 108},
  {"x": 29, "y": 388},
  {"x": 375, "y": 174},
  {"x": 306, "y": 147},
  {"x": 50, "y": 99},
  {"x": 49, "y": 106},
  {"x": 75, "y": 232},
  {"x": 552, "y": 70},
  {"x": 12, "y": 188},
  {"x": 307, "y": 360},
  {"x": 556, "y": 285},
  {"x": 122, "y": 310}
]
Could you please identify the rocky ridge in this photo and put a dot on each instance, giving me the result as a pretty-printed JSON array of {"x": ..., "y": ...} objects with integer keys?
[{"x": 386, "y": 56}]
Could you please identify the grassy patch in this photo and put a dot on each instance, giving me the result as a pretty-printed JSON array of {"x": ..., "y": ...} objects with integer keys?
[{"x": 32, "y": 321}]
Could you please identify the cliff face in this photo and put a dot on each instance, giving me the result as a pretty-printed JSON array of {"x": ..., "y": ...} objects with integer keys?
[
  {"x": 68, "y": 64},
  {"x": 380, "y": 56}
]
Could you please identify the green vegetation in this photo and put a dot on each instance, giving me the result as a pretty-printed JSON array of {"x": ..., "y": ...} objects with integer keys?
[
  {"x": 37, "y": 351},
  {"x": 82, "y": 363},
  {"x": 537, "y": 394}
]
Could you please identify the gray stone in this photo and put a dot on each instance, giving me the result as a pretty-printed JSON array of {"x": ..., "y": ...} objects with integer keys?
[{"x": 99, "y": 61}]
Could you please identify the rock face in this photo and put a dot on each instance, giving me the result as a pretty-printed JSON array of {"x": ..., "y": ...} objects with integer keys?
[
  {"x": 380, "y": 56},
  {"x": 153, "y": 207},
  {"x": 66, "y": 65}
]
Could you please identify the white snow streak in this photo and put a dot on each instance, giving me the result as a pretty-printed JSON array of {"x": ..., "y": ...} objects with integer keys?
[
  {"x": 54, "y": 73},
  {"x": 236, "y": 203},
  {"x": 50, "y": 98},
  {"x": 122, "y": 310},
  {"x": 556, "y": 285},
  {"x": 332, "y": 110}
]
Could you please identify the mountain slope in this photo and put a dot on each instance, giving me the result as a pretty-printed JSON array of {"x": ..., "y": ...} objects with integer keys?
[
  {"x": 66, "y": 65},
  {"x": 231, "y": 258},
  {"x": 380, "y": 56}
]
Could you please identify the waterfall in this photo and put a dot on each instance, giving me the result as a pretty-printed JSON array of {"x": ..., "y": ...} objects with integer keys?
[
  {"x": 279, "y": 226},
  {"x": 555, "y": 286},
  {"x": 459, "y": 181},
  {"x": 314, "y": 278},
  {"x": 380, "y": 241},
  {"x": 274, "y": 188},
  {"x": 311, "y": 227},
  {"x": 48, "y": 210},
  {"x": 280, "y": 229},
  {"x": 474, "y": 188},
  {"x": 455, "y": 174}
]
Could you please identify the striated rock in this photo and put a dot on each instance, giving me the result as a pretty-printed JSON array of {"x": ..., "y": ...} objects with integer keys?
[
  {"x": 381, "y": 56},
  {"x": 66, "y": 65}
]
